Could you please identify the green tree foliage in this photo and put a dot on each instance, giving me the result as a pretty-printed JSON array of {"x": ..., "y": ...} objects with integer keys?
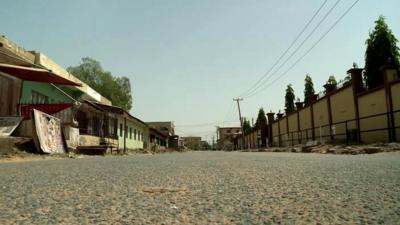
[
  {"x": 308, "y": 89},
  {"x": 246, "y": 126},
  {"x": 261, "y": 119},
  {"x": 332, "y": 80},
  {"x": 116, "y": 89},
  {"x": 381, "y": 47},
  {"x": 289, "y": 99}
]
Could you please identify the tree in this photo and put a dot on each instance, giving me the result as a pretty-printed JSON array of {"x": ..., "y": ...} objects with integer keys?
[
  {"x": 261, "y": 123},
  {"x": 332, "y": 80},
  {"x": 116, "y": 89},
  {"x": 308, "y": 89},
  {"x": 381, "y": 48},
  {"x": 289, "y": 99},
  {"x": 246, "y": 126},
  {"x": 261, "y": 119}
]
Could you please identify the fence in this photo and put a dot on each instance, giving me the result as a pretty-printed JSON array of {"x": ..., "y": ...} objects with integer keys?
[{"x": 346, "y": 131}]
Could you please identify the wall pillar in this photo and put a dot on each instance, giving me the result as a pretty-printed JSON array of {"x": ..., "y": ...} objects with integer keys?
[
  {"x": 271, "y": 119},
  {"x": 357, "y": 86},
  {"x": 389, "y": 73}
]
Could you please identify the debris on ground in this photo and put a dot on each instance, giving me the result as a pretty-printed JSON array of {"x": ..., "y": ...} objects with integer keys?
[
  {"x": 336, "y": 149},
  {"x": 162, "y": 190}
]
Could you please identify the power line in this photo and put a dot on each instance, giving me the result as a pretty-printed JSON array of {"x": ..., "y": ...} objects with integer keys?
[
  {"x": 202, "y": 124},
  {"x": 228, "y": 113},
  {"x": 286, "y": 51},
  {"x": 308, "y": 51},
  {"x": 297, "y": 48}
]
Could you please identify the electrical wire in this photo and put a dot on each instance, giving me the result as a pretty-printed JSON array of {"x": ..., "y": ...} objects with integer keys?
[
  {"x": 297, "y": 48},
  {"x": 286, "y": 51},
  {"x": 308, "y": 51}
]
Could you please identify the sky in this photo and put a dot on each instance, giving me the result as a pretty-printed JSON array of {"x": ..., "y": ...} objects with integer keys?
[{"x": 187, "y": 60}]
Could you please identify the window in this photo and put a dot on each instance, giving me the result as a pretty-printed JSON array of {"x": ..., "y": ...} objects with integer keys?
[
  {"x": 38, "y": 98},
  {"x": 130, "y": 133},
  {"x": 228, "y": 131},
  {"x": 120, "y": 129},
  {"x": 134, "y": 134}
]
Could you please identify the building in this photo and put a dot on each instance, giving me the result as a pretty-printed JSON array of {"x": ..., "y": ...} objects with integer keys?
[
  {"x": 227, "y": 137},
  {"x": 157, "y": 139},
  {"x": 167, "y": 128},
  {"x": 31, "y": 80},
  {"x": 191, "y": 142}
]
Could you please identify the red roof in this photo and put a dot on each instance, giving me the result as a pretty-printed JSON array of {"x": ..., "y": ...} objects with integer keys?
[{"x": 35, "y": 74}]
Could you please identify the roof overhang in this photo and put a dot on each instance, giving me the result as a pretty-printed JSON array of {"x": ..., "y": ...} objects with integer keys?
[{"x": 35, "y": 74}]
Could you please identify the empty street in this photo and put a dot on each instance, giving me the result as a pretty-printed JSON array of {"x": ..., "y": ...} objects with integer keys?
[{"x": 203, "y": 188}]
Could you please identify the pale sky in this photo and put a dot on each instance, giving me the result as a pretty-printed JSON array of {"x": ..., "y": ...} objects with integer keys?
[{"x": 187, "y": 59}]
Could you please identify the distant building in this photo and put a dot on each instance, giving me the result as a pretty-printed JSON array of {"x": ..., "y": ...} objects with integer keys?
[
  {"x": 226, "y": 137},
  {"x": 132, "y": 133},
  {"x": 167, "y": 128},
  {"x": 157, "y": 139},
  {"x": 191, "y": 142}
]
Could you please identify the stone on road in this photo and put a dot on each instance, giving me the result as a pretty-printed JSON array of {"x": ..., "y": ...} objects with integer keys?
[{"x": 203, "y": 188}]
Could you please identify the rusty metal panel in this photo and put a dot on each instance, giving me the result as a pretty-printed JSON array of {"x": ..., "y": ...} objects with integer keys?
[{"x": 8, "y": 125}]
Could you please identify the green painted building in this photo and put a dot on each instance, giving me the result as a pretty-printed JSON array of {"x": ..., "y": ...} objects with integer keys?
[{"x": 39, "y": 93}]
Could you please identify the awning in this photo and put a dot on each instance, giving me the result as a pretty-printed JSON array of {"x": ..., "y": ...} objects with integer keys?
[
  {"x": 35, "y": 74},
  {"x": 26, "y": 110}
]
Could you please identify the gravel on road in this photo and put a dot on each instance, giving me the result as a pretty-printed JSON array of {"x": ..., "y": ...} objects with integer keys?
[{"x": 203, "y": 188}]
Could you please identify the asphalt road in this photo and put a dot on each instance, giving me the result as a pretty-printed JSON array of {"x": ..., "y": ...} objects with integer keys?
[{"x": 203, "y": 188}]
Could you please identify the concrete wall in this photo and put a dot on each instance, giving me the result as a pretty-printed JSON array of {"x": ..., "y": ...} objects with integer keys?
[
  {"x": 343, "y": 105},
  {"x": 275, "y": 132},
  {"x": 90, "y": 94},
  {"x": 305, "y": 124},
  {"x": 321, "y": 120},
  {"x": 9, "y": 47},
  {"x": 293, "y": 127},
  {"x": 284, "y": 131},
  {"x": 395, "y": 90},
  {"x": 88, "y": 140},
  {"x": 371, "y": 104},
  {"x": 343, "y": 109}
]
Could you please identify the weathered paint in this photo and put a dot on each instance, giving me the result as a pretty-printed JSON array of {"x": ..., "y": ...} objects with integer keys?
[
  {"x": 371, "y": 104},
  {"x": 343, "y": 109},
  {"x": 321, "y": 120},
  {"x": 275, "y": 132},
  {"x": 132, "y": 127},
  {"x": 293, "y": 127},
  {"x": 10, "y": 90},
  {"x": 343, "y": 105},
  {"x": 54, "y": 95},
  {"x": 395, "y": 90}
]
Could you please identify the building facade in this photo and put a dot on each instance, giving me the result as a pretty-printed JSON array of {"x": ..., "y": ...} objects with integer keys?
[
  {"x": 227, "y": 137},
  {"x": 191, "y": 142}
]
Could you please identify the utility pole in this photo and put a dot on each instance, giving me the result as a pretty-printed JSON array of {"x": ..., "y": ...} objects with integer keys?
[
  {"x": 218, "y": 141},
  {"x": 240, "y": 119}
]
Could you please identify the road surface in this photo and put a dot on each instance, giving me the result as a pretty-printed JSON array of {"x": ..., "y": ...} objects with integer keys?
[{"x": 203, "y": 188}]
